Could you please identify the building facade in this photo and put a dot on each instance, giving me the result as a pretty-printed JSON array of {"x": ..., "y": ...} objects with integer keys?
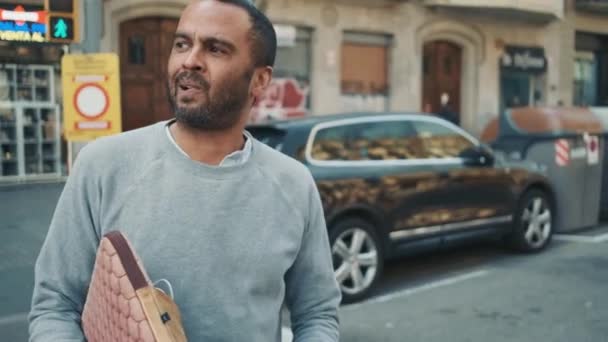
[
  {"x": 430, "y": 49},
  {"x": 589, "y": 21},
  {"x": 471, "y": 58},
  {"x": 388, "y": 55}
]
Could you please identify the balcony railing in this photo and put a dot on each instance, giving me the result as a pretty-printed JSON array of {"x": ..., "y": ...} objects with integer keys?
[
  {"x": 595, "y": 6},
  {"x": 533, "y": 9}
]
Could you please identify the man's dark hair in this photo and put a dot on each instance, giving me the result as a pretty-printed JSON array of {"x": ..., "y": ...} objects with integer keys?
[{"x": 263, "y": 37}]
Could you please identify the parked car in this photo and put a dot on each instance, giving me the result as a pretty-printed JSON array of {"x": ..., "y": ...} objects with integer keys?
[{"x": 396, "y": 184}]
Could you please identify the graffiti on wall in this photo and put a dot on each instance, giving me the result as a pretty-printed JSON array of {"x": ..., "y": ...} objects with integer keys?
[{"x": 284, "y": 98}]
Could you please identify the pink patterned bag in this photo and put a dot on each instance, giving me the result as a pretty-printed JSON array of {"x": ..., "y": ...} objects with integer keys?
[{"x": 122, "y": 305}]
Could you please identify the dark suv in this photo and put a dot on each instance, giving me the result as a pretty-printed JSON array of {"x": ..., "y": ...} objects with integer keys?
[{"x": 393, "y": 184}]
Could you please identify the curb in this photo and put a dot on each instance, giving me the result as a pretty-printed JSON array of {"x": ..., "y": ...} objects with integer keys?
[{"x": 22, "y": 184}]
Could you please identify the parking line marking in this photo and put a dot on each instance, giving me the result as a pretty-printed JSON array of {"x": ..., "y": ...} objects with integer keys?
[
  {"x": 581, "y": 238},
  {"x": 602, "y": 238},
  {"x": 14, "y": 318},
  {"x": 419, "y": 289}
]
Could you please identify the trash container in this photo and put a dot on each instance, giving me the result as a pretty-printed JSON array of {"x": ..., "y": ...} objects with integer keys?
[
  {"x": 602, "y": 114},
  {"x": 566, "y": 143}
]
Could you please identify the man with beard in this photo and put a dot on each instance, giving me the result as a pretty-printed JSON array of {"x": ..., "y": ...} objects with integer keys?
[{"x": 236, "y": 227}]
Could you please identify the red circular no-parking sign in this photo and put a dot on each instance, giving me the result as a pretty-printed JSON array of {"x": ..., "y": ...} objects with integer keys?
[{"x": 91, "y": 101}]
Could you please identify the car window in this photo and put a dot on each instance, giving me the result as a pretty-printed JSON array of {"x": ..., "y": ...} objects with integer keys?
[
  {"x": 331, "y": 144},
  {"x": 440, "y": 141},
  {"x": 383, "y": 140}
]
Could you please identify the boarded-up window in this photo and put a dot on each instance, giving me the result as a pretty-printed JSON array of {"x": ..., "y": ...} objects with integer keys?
[
  {"x": 365, "y": 64},
  {"x": 363, "y": 69}
]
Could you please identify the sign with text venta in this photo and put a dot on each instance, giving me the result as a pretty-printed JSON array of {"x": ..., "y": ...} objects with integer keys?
[{"x": 91, "y": 96}]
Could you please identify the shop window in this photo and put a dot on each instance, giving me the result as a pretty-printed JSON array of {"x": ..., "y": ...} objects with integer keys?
[
  {"x": 523, "y": 78},
  {"x": 137, "y": 50}
]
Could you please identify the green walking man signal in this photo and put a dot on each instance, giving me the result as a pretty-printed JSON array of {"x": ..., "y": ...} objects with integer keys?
[
  {"x": 62, "y": 25},
  {"x": 61, "y": 29}
]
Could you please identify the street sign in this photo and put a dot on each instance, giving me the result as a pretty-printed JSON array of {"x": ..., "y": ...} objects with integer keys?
[
  {"x": 24, "y": 23},
  {"x": 91, "y": 96}
]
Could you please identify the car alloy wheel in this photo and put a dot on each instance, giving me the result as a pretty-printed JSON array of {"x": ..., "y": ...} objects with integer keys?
[
  {"x": 533, "y": 222},
  {"x": 355, "y": 255},
  {"x": 537, "y": 220}
]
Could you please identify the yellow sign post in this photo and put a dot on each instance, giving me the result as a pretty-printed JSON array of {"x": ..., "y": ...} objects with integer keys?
[{"x": 91, "y": 96}]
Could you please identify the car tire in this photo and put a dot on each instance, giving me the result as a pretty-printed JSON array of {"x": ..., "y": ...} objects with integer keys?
[
  {"x": 533, "y": 222},
  {"x": 357, "y": 256}
]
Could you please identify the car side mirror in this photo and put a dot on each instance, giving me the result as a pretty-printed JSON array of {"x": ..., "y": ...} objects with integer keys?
[{"x": 479, "y": 155}]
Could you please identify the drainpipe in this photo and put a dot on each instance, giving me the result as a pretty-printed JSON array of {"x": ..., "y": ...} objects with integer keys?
[{"x": 92, "y": 22}]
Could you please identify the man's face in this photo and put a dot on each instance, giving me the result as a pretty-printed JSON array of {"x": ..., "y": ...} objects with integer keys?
[{"x": 210, "y": 66}]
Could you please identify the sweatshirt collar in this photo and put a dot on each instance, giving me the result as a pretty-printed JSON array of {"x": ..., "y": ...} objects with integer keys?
[{"x": 238, "y": 157}]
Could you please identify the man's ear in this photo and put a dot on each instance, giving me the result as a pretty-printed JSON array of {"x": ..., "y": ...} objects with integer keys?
[{"x": 261, "y": 79}]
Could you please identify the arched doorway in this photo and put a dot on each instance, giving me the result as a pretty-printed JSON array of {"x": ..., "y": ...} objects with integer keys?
[
  {"x": 442, "y": 75},
  {"x": 145, "y": 45}
]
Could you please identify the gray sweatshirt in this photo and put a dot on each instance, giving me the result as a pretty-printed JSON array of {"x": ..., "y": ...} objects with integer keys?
[{"x": 234, "y": 242}]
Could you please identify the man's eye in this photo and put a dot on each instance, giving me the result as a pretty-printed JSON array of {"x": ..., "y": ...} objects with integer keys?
[
  {"x": 215, "y": 49},
  {"x": 180, "y": 45}
]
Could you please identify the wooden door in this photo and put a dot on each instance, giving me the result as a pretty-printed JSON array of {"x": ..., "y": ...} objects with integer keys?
[
  {"x": 145, "y": 45},
  {"x": 442, "y": 65}
]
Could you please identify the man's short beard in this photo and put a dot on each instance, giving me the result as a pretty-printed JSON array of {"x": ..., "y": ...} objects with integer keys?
[{"x": 217, "y": 113}]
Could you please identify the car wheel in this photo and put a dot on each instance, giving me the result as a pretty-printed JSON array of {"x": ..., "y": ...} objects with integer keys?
[
  {"x": 357, "y": 257},
  {"x": 533, "y": 222}
]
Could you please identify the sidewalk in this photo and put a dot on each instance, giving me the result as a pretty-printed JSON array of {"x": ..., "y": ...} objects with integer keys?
[{"x": 600, "y": 229}]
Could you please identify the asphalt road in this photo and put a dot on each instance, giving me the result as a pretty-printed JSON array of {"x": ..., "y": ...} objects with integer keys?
[
  {"x": 485, "y": 293},
  {"x": 476, "y": 293}
]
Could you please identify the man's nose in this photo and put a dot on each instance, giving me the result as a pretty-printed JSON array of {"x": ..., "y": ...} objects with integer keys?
[{"x": 194, "y": 61}]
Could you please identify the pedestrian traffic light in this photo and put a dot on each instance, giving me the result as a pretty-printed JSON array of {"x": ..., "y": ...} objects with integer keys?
[
  {"x": 61, "y": 28},
  {"x": 62, "y": 21}
]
